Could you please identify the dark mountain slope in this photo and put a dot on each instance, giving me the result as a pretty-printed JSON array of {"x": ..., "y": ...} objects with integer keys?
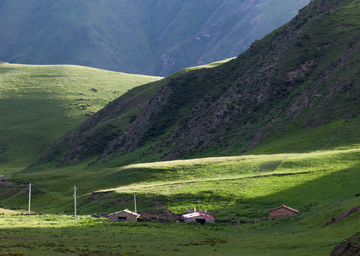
[
  {"x": 304, "y": 74},
  {"x": 88, "y": 33},
  {"x": 107, "y": 124},
  {"x": 157, "y": 36},
  {"x": 227, "y": 28}
]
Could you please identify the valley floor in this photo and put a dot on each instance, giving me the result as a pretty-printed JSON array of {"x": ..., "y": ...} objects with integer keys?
[
  {"x": 61, "y": 235},
  {"x": 321, "y": 185}
]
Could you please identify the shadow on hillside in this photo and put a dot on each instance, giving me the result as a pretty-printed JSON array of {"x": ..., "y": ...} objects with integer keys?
[{"x": 217, "y": 195}]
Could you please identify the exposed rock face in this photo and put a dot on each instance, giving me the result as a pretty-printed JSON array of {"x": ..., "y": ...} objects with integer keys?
[
  {"x": 342, "y": 216},
  {"x": 283, "y": 79},
  {"x": 348, "y": 247}
]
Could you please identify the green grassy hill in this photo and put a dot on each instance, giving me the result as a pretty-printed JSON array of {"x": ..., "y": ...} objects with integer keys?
[
  {"x": 109, "y": 123},
  {"x": 296, "y": 90},
  {"x": 277, "y": 125},
  {"x": 159, "y": 37},
  {"x": 38, "y": 104},
  {"x": 321, "y": 185},
  {"x": 223, "y": 184}
]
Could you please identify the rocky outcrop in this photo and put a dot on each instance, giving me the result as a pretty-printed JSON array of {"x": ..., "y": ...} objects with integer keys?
[
  {"x": 342, "y": 216},
  {"x": 348, "y": 247}
]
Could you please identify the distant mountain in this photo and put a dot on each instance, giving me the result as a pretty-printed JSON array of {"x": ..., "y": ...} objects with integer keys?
[
  {"x": 297, "y": 89},
  {"x": 155, "y": 37}
]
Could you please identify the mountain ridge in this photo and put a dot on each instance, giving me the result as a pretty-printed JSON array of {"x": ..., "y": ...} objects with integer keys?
[{"x": 152, "y": 37}]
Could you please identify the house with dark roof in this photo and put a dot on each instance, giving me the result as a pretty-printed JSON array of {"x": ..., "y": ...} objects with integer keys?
[
  {"x": 282, "y": 211},
  {"x": 124, "y": 215}
]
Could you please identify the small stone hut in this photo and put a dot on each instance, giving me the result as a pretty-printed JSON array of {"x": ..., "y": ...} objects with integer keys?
[
  {"x": 124, "y": 215},
  {"x": 282, "y": 211},
  {"x": 198, "y": 217}
]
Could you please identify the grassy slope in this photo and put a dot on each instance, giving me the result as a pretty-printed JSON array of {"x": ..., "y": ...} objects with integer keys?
[
  {"x": 108, "y": 123},
  {"x": 38, "y": 104},
  {"x": 299, "y": 134},
  {"x": 213, "y": 183},
  {"x": 324, "y": 38},
  {"x": 320, "y": 185},
  {"x": 7, "y": 212}
]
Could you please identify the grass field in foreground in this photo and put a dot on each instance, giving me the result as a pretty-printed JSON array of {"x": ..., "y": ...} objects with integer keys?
[
  {"x": 38, "y": 104},
  {"x": 321, "y": 185},
  {"x": 59, "y": 234}
]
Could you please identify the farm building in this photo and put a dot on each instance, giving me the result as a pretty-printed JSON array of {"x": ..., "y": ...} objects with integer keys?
[
  {"x": 198, "y": 217},
  {"x": 282, "y": 211},
  {"x": 124, "y": 215}
]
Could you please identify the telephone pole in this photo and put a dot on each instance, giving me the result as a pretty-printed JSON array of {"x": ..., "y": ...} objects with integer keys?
[
  {"x": 135, "y": 202},
  {"x": 29, "y": 198},
  {"x": 75, "y": 201}
]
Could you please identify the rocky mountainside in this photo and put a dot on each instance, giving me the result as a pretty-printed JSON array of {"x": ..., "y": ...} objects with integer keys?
[
  {"x": 156, "y": 37},
  {"x": 303, "y": 75}
]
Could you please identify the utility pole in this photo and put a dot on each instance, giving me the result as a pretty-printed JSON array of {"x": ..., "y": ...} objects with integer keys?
[
  {"x": 135, "y": 202},
  {"x": 29, "y": 198},
  {"x": 75, "y": 201}
]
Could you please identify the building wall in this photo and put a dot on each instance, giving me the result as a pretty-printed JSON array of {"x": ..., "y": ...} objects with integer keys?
[
  {"x": 129, "y": 217},
  {"x": 207, "y": 220},
  {"x": 281, "y": 213}
]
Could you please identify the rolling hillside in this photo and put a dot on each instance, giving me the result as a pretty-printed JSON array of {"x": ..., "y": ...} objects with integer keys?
[
  {"x": 276, "y": 125},
  {"x": 38, "y": 104},
  {"x": 323, "y": 186},
  {"x": 154, "y": 37},
  {"x": 300, "y": 81}
]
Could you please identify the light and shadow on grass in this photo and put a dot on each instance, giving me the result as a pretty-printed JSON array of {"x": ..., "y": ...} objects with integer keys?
[
  {"x": 40, "y": 103},
  {"x": 234, "y": 179},
  {"x": 320, "y": 185}
]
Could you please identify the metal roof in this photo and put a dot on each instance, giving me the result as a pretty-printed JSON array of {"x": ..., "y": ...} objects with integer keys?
[
  {"x": 284, "y": 206},
  {"x": 196, "y": 214},
  {"x": 127, "y": 211}
]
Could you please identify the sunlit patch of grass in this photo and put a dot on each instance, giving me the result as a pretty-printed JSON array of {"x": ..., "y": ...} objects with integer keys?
[
  {"x": 9, "y": 212},
  {"x": 321, "y": 185},
  {"x": 247, "y": 185},
  {"x": 40, "y": 103}
]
